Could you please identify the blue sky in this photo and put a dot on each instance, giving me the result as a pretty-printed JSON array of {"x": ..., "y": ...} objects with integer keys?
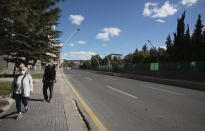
[{"x": 121, "y": 26}]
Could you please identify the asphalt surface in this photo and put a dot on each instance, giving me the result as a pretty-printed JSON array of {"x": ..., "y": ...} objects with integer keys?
[{"x": 130, "y": 105}]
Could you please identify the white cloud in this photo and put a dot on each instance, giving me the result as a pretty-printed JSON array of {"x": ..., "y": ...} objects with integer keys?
[
  {"x": 71, "y": 44},
  {"x": 76, "y": 19},
  {"x": 112, "y": 31},
  {"x": 107, "y": 32},
  {"x": 166, "y": 10},
  {"x": 147, "y": 11},
  {"x": 82, "y": 42},
  {"x": 65, "y": 54},
  {"x": 152, "y": 9},
  {"x": 188, "y": 2},
  {"x": 81, "y": 55},
  {"x": 103, "y": 36},
  {"x": 160, "y": 20}
]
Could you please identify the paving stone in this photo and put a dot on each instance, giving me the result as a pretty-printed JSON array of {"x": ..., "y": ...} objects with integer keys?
[{"x": 43, "y": 116}]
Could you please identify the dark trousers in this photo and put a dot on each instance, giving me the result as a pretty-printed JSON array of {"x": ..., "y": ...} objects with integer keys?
[
  {"x": 47, "y": 85},
  {"x": 19, "y": 99}
]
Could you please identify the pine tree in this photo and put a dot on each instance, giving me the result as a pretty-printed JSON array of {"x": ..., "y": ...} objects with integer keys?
[
  {"x": 170, "y": 48},
  {"x": 26, "y": 29},
  {"x": 188, "y": 46},
  {"x": 144, "y": 48},
  {"x": 197, "y": 37},
  {"x": 162, "y": 56},
  {"x": 179, "y": 42}
]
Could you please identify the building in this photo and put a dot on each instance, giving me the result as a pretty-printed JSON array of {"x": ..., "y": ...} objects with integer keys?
[
  {"x": 115, "y": 56},
  {"x": 4, "y": 64}
]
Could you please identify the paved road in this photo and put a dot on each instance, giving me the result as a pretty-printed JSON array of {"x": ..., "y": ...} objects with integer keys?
[{"x": 130, "y": 105}]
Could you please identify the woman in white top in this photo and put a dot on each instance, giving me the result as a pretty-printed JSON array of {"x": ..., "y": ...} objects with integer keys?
[{"x": 20, "y": 90}]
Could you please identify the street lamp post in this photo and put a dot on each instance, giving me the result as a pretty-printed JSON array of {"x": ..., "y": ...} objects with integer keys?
[
  {"x": 67, "y": 39},
  {"x": 108, "y": 63},
  {"x": 97, "y": 62},
  {"x": 157, "y": 56}
]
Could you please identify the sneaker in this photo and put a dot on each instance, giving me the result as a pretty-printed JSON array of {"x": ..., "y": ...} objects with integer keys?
[
  {"x": 44, "y": 100},
  {"x": 19, "y": 116},
  {"x": 49, "y": 101},
  {"x": 26, "y": 108}
]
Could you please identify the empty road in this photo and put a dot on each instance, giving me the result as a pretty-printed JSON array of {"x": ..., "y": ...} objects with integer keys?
[{"x": 130, "y": 105}]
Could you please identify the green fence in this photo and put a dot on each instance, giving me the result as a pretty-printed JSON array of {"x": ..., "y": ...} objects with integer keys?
[
  {"x": 177, "y": 66},
  {"x": 194, "y": 70}
]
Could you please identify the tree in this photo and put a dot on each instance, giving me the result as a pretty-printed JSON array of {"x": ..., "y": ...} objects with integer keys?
[
  {"x": 96, "y": 60},
  {"x": 179, "y": 43},
  {"x": 170, "y": 48},
  {"x": 152, "y": 55},
  {"x": 162, "y": 55},
  {"x": 128, "y": 59},
  {"x": 203, "y": 44},
  {"x": 197, "y": 38},
  {"x": 144, "y": 48},
  {"x": 188, "y": 46},
  {"x": 86, "y": 65},
  {"x": 26, "y": 29},
  {"x": 66, "y": 63},
  {"x": 141, "y": 56},
  {"x": 106, "y": 60}
]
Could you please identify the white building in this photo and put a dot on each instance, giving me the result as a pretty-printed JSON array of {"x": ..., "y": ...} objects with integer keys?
[{"x": 115, "y": 56}]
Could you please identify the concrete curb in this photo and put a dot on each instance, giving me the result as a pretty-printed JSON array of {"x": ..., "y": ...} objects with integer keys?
[
  {"x": 6, "y": 107},
  {"x": 180, "y": 83},
  {"x": 74, "y": 120}
]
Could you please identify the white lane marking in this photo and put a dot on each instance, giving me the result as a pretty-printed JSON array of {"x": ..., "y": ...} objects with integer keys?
[
  {"x": 87, "y": 78},
  {"x": 122, "y": 92},
  {"x": 171, "y": 92},
  {"x": 112, "y": 78},
  {"x": 108, "y": 79}
]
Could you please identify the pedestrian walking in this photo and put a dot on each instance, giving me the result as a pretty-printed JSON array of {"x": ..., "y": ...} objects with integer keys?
[
  {"x": 21, "y": 88},
  {"x": 49, "y": 78}
]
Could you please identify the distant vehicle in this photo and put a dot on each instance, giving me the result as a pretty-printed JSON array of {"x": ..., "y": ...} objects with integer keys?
[{"x": 69, "y": 68}]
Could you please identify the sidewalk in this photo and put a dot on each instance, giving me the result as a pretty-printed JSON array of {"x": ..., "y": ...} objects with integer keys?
[{"x": 60, "y": 115}]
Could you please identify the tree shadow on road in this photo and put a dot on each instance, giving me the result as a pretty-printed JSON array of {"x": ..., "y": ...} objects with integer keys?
[{"x": 8, "y": 116}]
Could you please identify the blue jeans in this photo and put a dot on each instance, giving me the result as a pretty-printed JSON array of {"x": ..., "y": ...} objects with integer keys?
[{"x": 19, "y": 99}]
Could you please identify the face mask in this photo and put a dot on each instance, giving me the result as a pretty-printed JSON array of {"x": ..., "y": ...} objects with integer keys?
[
  {"x": 23, "y": 72},
  {"x": 50, "y": 63}
]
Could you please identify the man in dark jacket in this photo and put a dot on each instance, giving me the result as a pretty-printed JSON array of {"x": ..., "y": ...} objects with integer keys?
[{"x": 49, "y": 78}]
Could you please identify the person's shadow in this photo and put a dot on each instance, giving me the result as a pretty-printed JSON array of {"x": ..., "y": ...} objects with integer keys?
[
  {"x": 9, "y": 116},
  {"x": 32, "y": 99}
]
